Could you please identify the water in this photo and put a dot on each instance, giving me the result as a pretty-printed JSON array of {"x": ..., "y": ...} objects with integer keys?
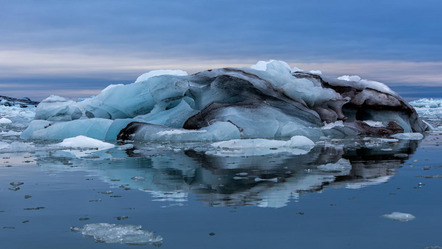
[{"x": 196, "y": 200}]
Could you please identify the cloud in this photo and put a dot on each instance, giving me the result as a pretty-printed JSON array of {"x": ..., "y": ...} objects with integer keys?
[
  {"x": 62, "y": 41},
  {"x": 226, "y": 29}
]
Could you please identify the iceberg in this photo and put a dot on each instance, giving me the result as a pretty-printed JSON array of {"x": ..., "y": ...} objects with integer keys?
[{"x": 267, "y": 100}]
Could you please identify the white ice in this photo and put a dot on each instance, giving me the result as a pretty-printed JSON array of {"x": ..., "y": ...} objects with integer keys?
[
  {"x": 5, "y": 121},
  {"x": 373, "y": 123},
  {"x": 154, "y": 73},
  {"x": 408, "y": 136},
  {"x": 297, "y": 145},
  {"x": 399, "y": 216},
  {"x": 294, "y": 142},
  {"x": 333, "y": 125},
  {"x": 85, "y": 143},
  {"x": 368, "y": 84},
  {"x": 122, "y": 234}
]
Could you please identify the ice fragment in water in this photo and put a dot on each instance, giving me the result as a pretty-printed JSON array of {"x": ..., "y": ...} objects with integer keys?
[
  {"x": 399, "y": 216},
  {"x": 408, "y": 136},
  {"x": 122, "y": 234},
  {"x": 85, "y": 142},
  {"x": 297, "y": 145}
]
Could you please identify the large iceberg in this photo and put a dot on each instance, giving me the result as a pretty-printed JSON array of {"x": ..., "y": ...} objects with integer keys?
[{"x": 267, "y": 100}]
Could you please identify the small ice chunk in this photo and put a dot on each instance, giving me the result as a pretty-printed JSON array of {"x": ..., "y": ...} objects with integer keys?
[
  {"x": 258, "y": 179},
  {"x": 374, "y": 123},
  {"x": 342, "y": 165},
  {"x": 85, "y": 142},
  {"x": 154, "y": 73},
  {"x": 399, "y": 216},
  {"x": 5, "y": 121},
  {"x": 122, "y": 234},
  {"x": 408, "y": 136}
]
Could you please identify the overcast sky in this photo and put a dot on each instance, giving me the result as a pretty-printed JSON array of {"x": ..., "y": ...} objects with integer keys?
[{"x": 74, "y": 48}]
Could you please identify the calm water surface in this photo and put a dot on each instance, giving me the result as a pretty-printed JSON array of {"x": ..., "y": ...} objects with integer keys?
[{"x": 197, "y": 200}]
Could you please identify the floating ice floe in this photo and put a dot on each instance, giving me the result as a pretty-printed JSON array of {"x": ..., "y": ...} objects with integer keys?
[
  {"x": 408, "y": 136},
  {"x": 82, "y": 146},
  {"x": 399, "y": 216},
  {"x": 85, "y": 143},
  {"x": 119, "y": 234},
  {"x": 297, "y": 145},
  {"x": 267, "y": 100}
]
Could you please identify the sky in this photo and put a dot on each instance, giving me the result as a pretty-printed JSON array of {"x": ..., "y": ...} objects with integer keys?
[{"x": 76, "y": 48}]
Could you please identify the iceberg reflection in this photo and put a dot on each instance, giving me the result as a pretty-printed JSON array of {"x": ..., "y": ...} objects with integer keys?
[{"x": 172, "y": 173}]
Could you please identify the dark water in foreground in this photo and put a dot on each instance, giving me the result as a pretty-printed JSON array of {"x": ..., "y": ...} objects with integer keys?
[{"x": 194, "y": 200}]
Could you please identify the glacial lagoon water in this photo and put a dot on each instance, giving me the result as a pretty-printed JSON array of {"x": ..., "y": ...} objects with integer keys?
[{"x": 180, "y": 196}]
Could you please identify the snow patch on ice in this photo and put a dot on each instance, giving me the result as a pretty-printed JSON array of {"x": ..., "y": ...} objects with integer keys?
[
  {"x": 154, "y": 73},
  {"x": 399, "y": 216},
  {"x": 317, "y": 72},
  {"x": 368, "y": 83}
]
